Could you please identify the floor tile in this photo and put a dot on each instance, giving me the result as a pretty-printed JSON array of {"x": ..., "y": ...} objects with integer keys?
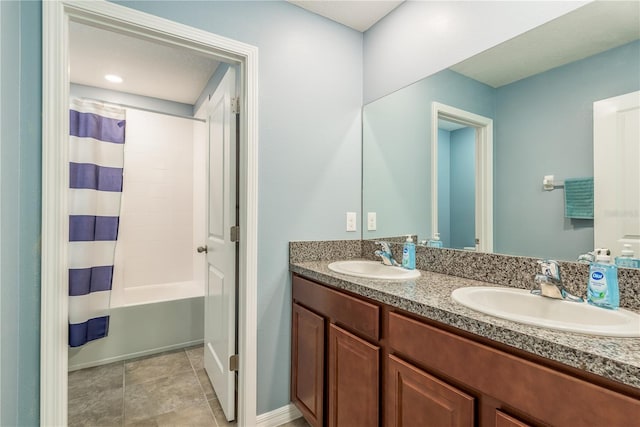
[
  {"x": 154, "y": 367},
  {"x": 218, "y": 414},
  {"x": 206, "y": 384},
  {"x": 197, "y": 415},
  {"x": 92, "y": 380},
  {"x": 97, "y": 409},
  {"x": 152, "y": 398},
  {"x": 298, "y": 422},
  {"x": 196, "y": 357}
]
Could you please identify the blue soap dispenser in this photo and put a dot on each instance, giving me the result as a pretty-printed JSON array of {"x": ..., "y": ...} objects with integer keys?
[
  {"x": 409, "y": 254},
  {"x": 435, "y": 242},
  {"x": 602, "y": 288},
  {"x": 627, "y": 259}
]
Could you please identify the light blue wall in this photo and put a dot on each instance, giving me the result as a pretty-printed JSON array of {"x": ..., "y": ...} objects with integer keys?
[
  {"x": 456, "y": 187},
  {"x": 310, "y": 84},
  {"x": 444, "y": 188},
  {"x": 20, "y": 181},
  {"x": 420, "y": 38},
  {"x": 170, "y": 107},
  {"x": 463, "y": 190},
  {"x": 544, "y": 126},
  {"x": 397, "y": 151}
]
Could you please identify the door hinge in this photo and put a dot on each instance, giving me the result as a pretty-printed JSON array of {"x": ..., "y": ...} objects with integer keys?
[
  {"x": 233, "y": 362},
  {"x": 235, "y": 105},
  {"x": 235, "y": 233}
]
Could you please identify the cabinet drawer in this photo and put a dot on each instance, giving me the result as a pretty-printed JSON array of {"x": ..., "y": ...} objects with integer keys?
[
  {"x": 550, "y": 396},
  {"x": 352, "y": 313}
]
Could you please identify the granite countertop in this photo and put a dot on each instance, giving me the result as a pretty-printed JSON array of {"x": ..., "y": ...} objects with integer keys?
[{"x": 430, "y": 296}]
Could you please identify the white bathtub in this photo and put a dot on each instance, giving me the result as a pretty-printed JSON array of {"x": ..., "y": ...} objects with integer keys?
[
  {"x": 144, "y": 321},
  {"x": 129, "y": 297}
]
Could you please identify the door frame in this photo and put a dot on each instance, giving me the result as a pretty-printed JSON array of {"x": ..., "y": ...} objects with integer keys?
[
  {"x": 55, "y": 178},
  {"x": 484, "y": 169}
]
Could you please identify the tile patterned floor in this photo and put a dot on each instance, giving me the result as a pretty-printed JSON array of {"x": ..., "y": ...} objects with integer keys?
[
  {"x": 169, "y": 389},
  {"x": 166, "y": 389},
  {"x": 300, "y": 422}
]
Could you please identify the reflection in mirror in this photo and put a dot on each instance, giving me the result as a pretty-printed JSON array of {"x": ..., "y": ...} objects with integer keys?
[
  {"x": 456, "y": 185},
  {"x": 539, "y": 89},
  {"x": 462, "y": 178}
]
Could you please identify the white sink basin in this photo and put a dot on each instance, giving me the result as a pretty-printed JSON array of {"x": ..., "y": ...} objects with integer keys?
[
  {"x": 373, "y": 270},
  {"x": 519, "y": 305}
]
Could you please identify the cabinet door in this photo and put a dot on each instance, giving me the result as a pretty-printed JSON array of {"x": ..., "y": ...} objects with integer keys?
[
  {"x": 353, "y": 380},
  {"x": 415, "y": 398},
  {"x": 504, "y": 420},
  {"x": 307, "y": 363}
]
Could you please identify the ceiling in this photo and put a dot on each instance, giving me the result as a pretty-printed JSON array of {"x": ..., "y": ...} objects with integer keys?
[
  {"x": 147, "y": 68},
  {"x": 164, "y": 72},
  {"x": 576, "y": 35},
  {"x": 357, "y": 14}
]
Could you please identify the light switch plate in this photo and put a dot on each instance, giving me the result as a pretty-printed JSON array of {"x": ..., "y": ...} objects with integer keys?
[
  {"x": 371, "y": 221},
  {"x": 351, "y": 221}
]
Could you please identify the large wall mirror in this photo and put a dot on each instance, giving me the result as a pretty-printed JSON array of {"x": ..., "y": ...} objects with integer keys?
[{"x": 538, "y": 90}]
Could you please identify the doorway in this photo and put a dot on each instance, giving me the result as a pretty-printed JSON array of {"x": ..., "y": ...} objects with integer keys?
[
  {"x": 480, "y": 157},
  {"x": 54, "y": 311}
]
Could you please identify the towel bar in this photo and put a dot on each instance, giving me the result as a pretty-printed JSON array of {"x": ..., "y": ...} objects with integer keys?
[{"x": 549, "y": 185}]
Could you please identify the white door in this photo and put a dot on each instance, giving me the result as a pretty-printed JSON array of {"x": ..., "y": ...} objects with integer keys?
[
  {"x": 220, "y": 296},
  {"x": 616, "y": 154}
]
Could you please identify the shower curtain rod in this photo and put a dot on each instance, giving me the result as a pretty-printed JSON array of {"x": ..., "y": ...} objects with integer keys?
[{"x": 147, "y": 109}]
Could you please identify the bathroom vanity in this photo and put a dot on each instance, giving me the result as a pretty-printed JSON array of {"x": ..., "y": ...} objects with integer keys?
[{"x": 380, "y": 353}]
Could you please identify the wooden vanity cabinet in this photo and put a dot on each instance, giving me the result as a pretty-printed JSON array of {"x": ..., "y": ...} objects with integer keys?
[
  {"x": 335, "y": 357},
  {"x": 356, "y": 363}
]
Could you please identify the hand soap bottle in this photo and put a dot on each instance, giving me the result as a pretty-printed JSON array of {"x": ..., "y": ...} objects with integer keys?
[
  {"x": 435, "y": 242},
  {"x": 627, "y": 259},
  {"x": 602, "y": 288},
  {"x": 409, "y": 254}
]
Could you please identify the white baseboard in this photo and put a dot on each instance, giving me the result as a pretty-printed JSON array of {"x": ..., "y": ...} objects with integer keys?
[{"x": 278, "y": 416}]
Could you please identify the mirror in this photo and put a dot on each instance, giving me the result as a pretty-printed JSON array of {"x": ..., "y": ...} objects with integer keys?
[{"x": 538, "y": 89}]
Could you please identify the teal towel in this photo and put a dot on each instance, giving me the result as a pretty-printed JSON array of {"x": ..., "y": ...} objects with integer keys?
[{"x": 578, "y": 198}]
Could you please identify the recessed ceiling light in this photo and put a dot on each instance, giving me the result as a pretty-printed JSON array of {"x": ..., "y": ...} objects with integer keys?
[{"x": 113, "y": 78}]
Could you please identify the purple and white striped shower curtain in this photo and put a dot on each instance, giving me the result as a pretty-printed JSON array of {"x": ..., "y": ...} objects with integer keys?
[{"x": 96, "y": 159}]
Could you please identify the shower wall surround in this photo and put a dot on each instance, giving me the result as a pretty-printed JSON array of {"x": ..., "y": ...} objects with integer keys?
[
  {"x": 505, "y": 270},
  {"x": 158, "y": 221}
]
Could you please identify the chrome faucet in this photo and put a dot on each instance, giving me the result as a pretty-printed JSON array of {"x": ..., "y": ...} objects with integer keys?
[
  {"x": 385, "y": 254},
  {"x": 550, "y": 282}
]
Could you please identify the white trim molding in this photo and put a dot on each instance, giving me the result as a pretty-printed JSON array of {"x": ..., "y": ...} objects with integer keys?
[
  {"x": 55, "y": 178},
  {"x": 484, "y": 169},
  {"x": 279, "y": 416}
]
